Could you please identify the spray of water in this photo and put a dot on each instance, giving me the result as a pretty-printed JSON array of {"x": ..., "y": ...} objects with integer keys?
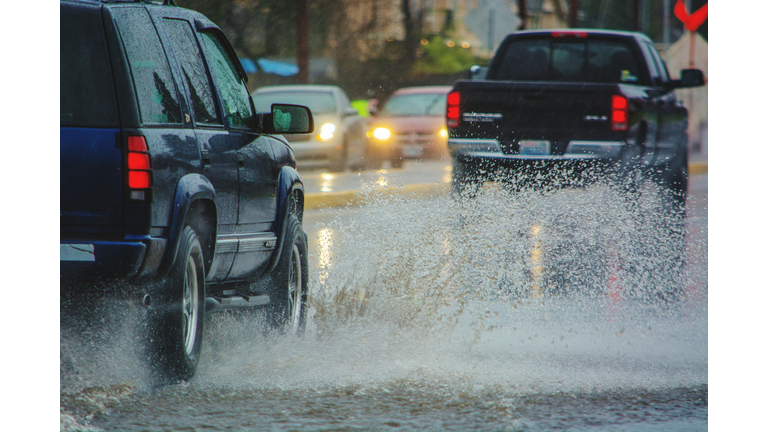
[
  {"x": 529, "y": 289},
  {"x": 516, "y": 293}
]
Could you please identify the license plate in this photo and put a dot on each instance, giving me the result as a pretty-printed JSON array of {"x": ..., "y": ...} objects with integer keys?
[
  {"x": 77, "y": 252},
  {"x": 534, "y": 148},
  {"x": 412, "y": 151}
]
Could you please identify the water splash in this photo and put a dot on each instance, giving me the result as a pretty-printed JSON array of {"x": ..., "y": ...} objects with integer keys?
[{"x": 514, "y": 301}]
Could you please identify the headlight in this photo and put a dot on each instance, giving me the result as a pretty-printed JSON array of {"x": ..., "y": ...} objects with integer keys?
[
  {"x": 443, "y": 133},
  {"x": 326, "y": 132},
  {"x": 382, "y": 133}
]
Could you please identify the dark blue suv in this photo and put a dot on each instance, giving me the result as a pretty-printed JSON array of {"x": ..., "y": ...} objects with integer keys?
[{"x": 171, "y": 183}]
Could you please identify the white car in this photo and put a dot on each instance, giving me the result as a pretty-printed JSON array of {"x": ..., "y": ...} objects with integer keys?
[{"x": 339, "y": 138}]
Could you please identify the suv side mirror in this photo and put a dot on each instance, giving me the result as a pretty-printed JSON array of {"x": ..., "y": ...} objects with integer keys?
[
  {"x": 689, "y": 78},
  {"x": 287, "y": 119},
  {"x": 477, "y": 72},
  {"x": 350, "y": 112}
]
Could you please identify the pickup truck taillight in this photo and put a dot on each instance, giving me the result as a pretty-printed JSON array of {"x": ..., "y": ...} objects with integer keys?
[
  {"x": 619, "y": 113},
  {"x": 139, "y": 167},
  {"x": 452, "y": 110}
]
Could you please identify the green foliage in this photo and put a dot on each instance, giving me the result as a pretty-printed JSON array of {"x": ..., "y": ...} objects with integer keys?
[{"x": 439, "y": 58}]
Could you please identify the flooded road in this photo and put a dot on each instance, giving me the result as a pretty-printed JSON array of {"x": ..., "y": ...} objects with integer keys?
[{"x": 524, "y": 311}]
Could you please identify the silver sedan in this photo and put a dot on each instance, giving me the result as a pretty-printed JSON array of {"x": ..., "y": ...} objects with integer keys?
[{"x": 339, "y": 138}]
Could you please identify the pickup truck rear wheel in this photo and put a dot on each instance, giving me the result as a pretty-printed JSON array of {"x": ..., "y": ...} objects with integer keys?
[
  {"x": 177, "y": 313},
  {"x": 464, "y": 180},
  {"x": 674, "y": 185},
  {"x": 287, "y": 310},
  {"x": 678, "y": 184}
]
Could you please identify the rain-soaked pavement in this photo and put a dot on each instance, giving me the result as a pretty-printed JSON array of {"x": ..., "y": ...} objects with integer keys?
[{"x": 515, "y": 311}]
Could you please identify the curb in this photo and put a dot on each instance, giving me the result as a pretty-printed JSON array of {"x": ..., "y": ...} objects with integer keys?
[
  {"x": 319, "y": 201},
  {"x": 355, "y": 198},
  {"x": 698, "y": 167}
]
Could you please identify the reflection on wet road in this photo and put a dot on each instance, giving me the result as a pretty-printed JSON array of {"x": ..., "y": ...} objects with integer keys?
[{"x": 514, "y": 311}]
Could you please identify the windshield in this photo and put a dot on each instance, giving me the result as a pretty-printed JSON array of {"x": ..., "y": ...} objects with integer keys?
[
  {"x": 547, "y": 59},
  {"x": 318, "y": 102},
  {"x": 423, "y": 104}
]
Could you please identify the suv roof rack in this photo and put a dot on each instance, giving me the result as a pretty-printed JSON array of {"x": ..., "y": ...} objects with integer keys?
[{"x": 164, "y": 2}]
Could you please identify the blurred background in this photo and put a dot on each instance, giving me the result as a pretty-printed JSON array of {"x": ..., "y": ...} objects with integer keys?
[{"x": 370, "y": 48}]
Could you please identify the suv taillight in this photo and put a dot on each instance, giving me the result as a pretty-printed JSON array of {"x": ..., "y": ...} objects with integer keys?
[
  {"x": 139, "y": 167},
  {"x": 452, "y": 110},
  {"x": 619, "y": 113}
]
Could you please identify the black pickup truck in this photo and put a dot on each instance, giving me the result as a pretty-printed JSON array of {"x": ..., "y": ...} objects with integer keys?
[{"x": 572, "y": 99}]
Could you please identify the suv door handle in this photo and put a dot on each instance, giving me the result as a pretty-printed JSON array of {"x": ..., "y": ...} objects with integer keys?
[
  {"x": 206, "y": 158},
  {"x": 240, "y": 161}
]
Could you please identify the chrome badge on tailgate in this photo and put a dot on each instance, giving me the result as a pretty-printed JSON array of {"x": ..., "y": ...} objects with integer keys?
[{"x": 481, "y": 117}]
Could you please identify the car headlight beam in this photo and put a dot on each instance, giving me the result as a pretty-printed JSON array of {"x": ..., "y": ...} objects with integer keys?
[
  {"x": 382, "y": 133},
  {"x": 326, "y": 132}
]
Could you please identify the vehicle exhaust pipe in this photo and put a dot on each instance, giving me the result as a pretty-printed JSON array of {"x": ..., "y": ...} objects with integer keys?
[{"x": 146, "y": 301}]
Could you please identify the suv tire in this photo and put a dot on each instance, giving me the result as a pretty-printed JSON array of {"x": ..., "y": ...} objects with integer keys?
[{"x": 177, "y": 313}]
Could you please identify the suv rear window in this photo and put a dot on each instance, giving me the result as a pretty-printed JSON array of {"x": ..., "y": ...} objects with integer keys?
[
  {"x": 87, "y": 91},
  {"x": 550, "y": 59}
]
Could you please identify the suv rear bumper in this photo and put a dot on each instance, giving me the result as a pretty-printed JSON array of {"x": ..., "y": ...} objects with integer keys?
[{"x": 110, "y": 260}]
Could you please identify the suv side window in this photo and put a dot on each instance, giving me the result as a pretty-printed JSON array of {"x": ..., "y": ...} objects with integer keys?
[
  {"x": 155, "y": 89},
  {"x": 233, "y": 92},
  {"x": 195, "y": 76}
]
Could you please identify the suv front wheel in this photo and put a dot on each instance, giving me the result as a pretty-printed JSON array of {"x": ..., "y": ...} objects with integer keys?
[{"x": 287, "y": 310}]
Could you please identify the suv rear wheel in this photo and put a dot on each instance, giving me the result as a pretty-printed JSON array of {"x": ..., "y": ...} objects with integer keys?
[{"x": 177, "y": 313}]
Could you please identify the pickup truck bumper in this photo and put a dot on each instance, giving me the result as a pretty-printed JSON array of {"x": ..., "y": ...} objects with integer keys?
[
  {"x": 110, "y": 260},
  {"x": 490, "y": 149}
]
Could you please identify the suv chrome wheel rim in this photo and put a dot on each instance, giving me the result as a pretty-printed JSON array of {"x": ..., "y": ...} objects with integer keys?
[
  {"x": 190, "y": 306},
  {"x": 294, "y": 288}
]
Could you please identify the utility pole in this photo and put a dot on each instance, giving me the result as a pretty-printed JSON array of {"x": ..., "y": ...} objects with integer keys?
[
  {"x": 635, "y": 15},
  {"x": 491, "y": 13},
  {"x": 522, "y": 12},
  {"x": 666, "y": 30},
  {"x": 302, "y": 41},
  {"x": 573, "y": 13}
]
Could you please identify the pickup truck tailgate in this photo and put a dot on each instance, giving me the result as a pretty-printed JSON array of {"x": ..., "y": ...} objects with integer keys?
[{"x": 536, "y": 110}]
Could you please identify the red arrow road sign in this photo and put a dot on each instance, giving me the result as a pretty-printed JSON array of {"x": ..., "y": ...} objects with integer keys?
[{"x": 691, "y": 21}]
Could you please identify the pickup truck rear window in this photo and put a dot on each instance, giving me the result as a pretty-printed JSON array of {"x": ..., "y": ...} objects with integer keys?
[
  {"x": 548, "y": 59},
  {"x": 87, "y": 91}
]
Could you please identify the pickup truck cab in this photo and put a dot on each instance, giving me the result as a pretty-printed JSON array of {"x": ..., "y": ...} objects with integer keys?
[
  {"x": 171, "y": 183},
  {"x": 571, "y": 99}
]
